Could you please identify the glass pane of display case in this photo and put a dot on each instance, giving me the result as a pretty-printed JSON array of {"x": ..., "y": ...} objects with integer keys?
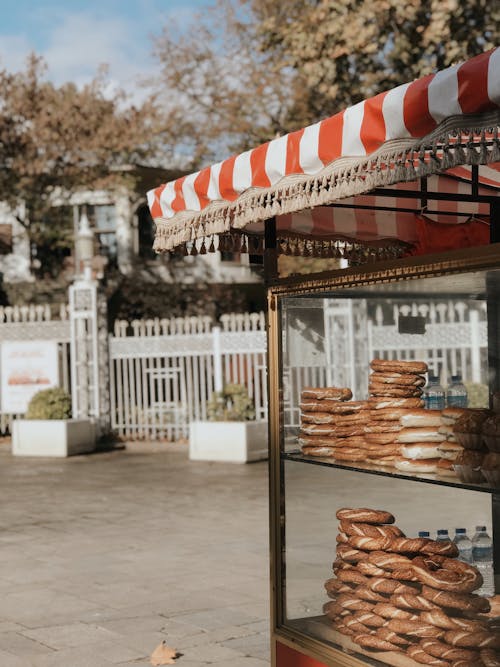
[{"x": 390, "y": 465}]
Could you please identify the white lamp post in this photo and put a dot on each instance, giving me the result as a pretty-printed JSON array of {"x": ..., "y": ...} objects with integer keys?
[{"x": 84, "y": 247}]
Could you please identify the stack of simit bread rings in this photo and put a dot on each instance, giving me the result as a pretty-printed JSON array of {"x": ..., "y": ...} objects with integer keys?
[{"x": 408, "y": 595}]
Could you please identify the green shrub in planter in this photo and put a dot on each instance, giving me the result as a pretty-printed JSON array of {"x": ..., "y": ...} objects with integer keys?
[
  {"x": 50, "y": 404},
  {"x": 232, "y": 404}
]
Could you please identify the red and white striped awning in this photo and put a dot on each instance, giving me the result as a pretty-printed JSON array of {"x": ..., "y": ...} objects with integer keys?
[{"x": 440, "y": 123}]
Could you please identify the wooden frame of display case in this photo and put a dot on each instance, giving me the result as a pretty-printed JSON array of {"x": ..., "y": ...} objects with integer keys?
[{"x": 290, "y": 647}]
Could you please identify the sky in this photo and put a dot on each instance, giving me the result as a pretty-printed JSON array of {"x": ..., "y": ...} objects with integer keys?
[{"x": 77, "y": 36}]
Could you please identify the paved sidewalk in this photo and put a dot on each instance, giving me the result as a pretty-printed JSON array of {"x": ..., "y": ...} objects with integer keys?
[{"x": 102, "y": 557}]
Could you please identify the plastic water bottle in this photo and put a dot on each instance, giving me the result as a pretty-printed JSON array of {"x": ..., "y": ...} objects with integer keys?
[
  {"x": 456, "y": 395},
  {"x": 464, "y": 545},
  {"x": 424, "y": 533},
  {"x": 442, "y": 535},
  {"x": 434, "y": 396},
  {"x": 482, "y": 555}
]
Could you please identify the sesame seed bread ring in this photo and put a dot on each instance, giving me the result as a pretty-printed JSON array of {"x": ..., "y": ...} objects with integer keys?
[
  {"x": 447, "y": 574},
  {"x": 369, "y": 530},
  {"x": 343, "y": 629},
  {"x": 354, "y": 624},
  {"x": 347, "y": 601},
  {"x": 317, "y": 429},
  {"x": 371, "y": 570},
  {"x": 369, "y": 543},
  {"x": 438, "y": 618},
  {"x": 412, "y": 601},
  {"x": 366, "y": 593},
  {"x": 350, "y": 554},
  {"x": 387, "y": 610},
  {"x": 418, "y": 654},
  {"x": 354, "y": 418},
  {"x": 407, "y": 545},
  {"x": 414, "y": 628},
  {"x": 441, "y": 650},
  {"x": 385, "y": 460},
  {"x": 374, "y": 643},
  {"x": 383, "y": 427},
  {"x": 380, "y": 403},
  {"x": 460, "y": 601},
  {"x": 390, "y": 636},
  {"x": 348, "y": 431},
  {"x": 321, "y": 393},
  {"x": 400, "y": 379},
  {"x": 365, "y": 515},
  {"x": 490, "y": 658},
  {"x": 387, "y": 414},
  {"x": 352, "y": 576},
  {"x": 380, "y": 438},
  {"x": 444, "y": 548},
  {"x": 379, "y": 389},
  {"x": 450, "y": 415},
  {"x": 418, "y": 435},
  {"x": 398, "y": 366},
  {"x": 389, "y": 586},
  {"x": 416, "y": 465},
  {"x": 349, "y": 454},
  {"x": 325, "y": 452},
  {"x": 465, "y": 639},
  {"x": 334, "y": 610},
  {"x": 355, "y": 442},
  {"x": 339, "y": 565},
  {"x": 420, "y": 450},
  {"x": 388, "y": 561},
  {"x": 369, "y": 619},
  {"x": 471, "y": 625},
  {"x": 422, "y": 417},
  {"x": 334, "y": 586},
  {"x": 317, "y": 418},
  {"x": 342, "y": 538},
  {"x": 334, "y": 407}
]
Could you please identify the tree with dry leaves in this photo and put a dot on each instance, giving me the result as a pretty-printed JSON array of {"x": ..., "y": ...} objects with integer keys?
[
  {"x": 250, "y": 69},
  {"x": 56, "y": 140}
]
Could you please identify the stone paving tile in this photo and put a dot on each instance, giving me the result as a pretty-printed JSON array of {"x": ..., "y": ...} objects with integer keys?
[{"x": 103, "y": 557}]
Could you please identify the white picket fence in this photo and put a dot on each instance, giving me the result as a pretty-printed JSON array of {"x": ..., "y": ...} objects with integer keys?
[
  {"x": 36, "y": 322},
  {"x": 163, "y": 372}
]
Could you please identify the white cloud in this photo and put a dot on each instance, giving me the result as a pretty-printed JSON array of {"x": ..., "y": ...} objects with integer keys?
[{"x": 78, "y": 44}]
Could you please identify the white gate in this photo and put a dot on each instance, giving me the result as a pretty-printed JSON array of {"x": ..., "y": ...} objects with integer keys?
[{"x": 163, "y": 372}]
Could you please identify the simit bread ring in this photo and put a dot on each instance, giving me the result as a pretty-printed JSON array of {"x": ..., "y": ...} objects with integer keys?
[
  {"x": 365, "y": 515},
  {"x": 365, "y": 593},
  {"x": 383, "y": 427},
  {"x": 334, "y": 586},
  {"x": 447, "y": 574},
  {"x": 321, "y": 393},
  {"x": 466, "y": 639},
  {"x": 444, "y": 548},
  {"x": 352, "y": 576},
  {"x": 370, "y": 543},
  {"x": 388, "y": 414},
  {"x": 440, "y": 650},
  {"x": 350, "y": 555},
  {"x": 388, "y": 561},
  {"x": 342, "y": 628},
  {"x": 380, "y": 403},
  {"x": 369, "y": 530},
  {"x": 369, "y": 619},
  {"x": 401, "y": 379},
  {"x": 342, "y": 538},
  {"x": 419, "y": 655},
  {"x": 407, "y": 545},
  {"x": 412, "y": 601},
  {"x": 374, "y": 643},
  {"x": 340, "y": 564},
  {"x": 333, "y": 407},
  {"x": 347, "y": 601},
  {"x": 334, "y": 610},
  {"x": 325, "y": 452},
  {"x": 415, "y": 435},
  {"x": 438, "y": 618},
  {"x": 379, "y": 389},
  {"x": 387, "y": 610},
  {"x": 398, "y": 366},
  {"x": 354, "y": 624},
  {"x": 490, "y": 658},
  {"x": 349, "y": 454},
  {"x": 389, "y": 586},
  {"x": 390, "y": 636},
  {"x": 414, "y": 628},
  {"x": 380, "y": 438}
]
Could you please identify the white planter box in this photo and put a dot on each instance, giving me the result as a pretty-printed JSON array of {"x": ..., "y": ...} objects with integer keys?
[
  {"x": 232, "y": 442},
  {"x": 52, "y": 437}
]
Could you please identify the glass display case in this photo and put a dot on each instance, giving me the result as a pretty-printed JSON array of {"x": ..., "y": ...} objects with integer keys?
[{"x": 385, "y": 446}]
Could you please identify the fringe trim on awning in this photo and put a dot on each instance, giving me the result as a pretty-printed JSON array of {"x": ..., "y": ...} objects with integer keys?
[{"x": 459, "y": 140}]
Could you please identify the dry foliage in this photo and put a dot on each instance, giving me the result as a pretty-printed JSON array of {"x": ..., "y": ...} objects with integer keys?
[
  {"x": 163, "y": 655},
  {"x": 250, "y": 69}
]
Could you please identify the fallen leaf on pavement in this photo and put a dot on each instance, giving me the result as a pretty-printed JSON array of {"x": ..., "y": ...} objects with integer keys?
[{"x": 163, "y": 655}]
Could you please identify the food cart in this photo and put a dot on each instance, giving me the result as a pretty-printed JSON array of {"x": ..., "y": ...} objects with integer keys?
[{"x": 404, "y": 187}]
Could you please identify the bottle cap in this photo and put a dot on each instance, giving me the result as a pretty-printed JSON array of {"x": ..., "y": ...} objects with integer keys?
[
  {"x": 423, "y": 533},
  {"x": 443, "y": 531},
  {"x": 460, "y": 531},
  {"x": 480, "y": 528},
  {"x": 456, "y": 378}
]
